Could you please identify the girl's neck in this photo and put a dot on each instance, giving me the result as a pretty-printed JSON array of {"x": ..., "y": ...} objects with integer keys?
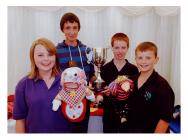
[
  {"x": 45, "y": 75},
  {"x": 71, "y": 43}
]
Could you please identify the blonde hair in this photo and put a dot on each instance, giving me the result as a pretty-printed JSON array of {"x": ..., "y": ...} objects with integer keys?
[{"x": 34, "y": 73}]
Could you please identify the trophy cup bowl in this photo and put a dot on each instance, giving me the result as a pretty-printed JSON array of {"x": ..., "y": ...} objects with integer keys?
[{"x": 99, "y": 58}]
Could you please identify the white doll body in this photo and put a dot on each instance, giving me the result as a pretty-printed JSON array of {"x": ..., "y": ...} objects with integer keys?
[{"x": 73, "y": 94}]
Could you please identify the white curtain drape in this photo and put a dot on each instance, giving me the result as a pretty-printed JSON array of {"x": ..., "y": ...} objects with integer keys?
[{"x": 160, "y": 24}]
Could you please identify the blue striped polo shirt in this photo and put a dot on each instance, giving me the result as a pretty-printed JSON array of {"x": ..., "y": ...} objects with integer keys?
[{"x": 65, "y": 52}]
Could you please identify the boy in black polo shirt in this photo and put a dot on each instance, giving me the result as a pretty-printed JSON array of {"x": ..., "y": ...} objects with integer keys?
[
  {"x": 118, "y": 66},
  {"x": 153, "y": 98}
]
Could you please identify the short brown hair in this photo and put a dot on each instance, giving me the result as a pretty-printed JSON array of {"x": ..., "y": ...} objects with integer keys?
[
  {"x": 120, "y": 36},
  {"x": 145, "y": 46},
  {"x": 69, "y": 17},
  {"x": 34, "y": 73}
]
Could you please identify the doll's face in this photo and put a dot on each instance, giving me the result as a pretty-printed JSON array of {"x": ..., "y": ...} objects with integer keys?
[
  {"x": 73, "y": 74},
  {"x": 70, "y": 75}
]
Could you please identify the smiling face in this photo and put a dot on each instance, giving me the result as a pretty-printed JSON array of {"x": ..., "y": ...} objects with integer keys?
[
  {"x": 119, "y": 49},
  {"x": 71, "y": 32},
  {"x": 146, "y": 60},
  {"x": 44, "y": 60}
]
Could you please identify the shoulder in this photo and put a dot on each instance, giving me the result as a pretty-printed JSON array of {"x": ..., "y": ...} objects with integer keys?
[
  {"x": 23, "y": 84},
  {"x": 81, "y": 44},
  {"x": 84, "y": 48},
  {"x": 134, "y": 77},
  {"x": 61, "y": 45},
  {"x": 161, "y": 80},
  {"x": 132, "y": 66},
  {"x": 23, "y": 81},
  {"x": 163, "y": 85},
  {"x": 107, "y": 65}
]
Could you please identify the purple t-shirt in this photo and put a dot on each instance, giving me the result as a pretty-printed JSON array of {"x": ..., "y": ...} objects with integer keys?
[{"x": 33, "y": 102}]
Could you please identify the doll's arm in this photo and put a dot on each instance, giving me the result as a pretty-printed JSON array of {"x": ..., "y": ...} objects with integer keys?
[
  {"x": 90, "y": 95},
  {"x": 56, "y": 102}
]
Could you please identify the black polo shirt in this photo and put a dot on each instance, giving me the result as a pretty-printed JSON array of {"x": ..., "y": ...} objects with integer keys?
[
  {"x": 150, "y": 103},
  {"x": 109, "y": 73}
]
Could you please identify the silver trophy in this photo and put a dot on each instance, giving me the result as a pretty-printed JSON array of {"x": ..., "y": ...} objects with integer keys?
[{"x": 99, "y": 58}]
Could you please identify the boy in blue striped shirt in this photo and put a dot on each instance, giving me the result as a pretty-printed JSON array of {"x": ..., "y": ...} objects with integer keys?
[{"x": 71, "y": 52}]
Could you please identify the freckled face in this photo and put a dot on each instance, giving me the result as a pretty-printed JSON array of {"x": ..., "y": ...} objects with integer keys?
[{"x": 119, "y": 49}]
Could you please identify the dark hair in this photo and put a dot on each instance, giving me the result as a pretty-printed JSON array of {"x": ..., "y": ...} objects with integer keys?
[
  {"x": 120, "y": 36},
  {"x": 145, "y": 46},
  {"x": 69, "y": 17}
]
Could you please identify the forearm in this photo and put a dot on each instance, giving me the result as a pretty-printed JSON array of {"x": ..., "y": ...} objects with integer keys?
[
  {"x": 20, "y": 126},
  {"x": 162, "y": 126}
]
